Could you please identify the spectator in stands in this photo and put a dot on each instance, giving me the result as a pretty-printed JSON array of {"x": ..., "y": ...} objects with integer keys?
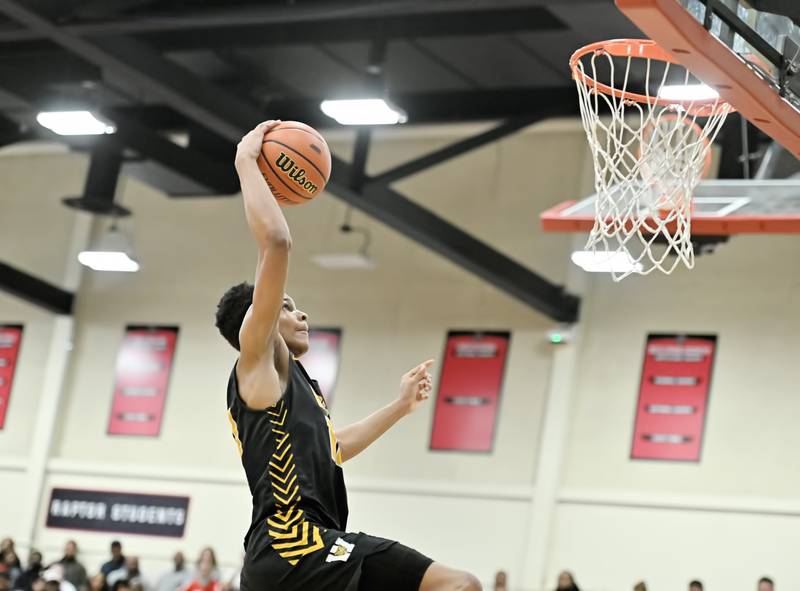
[
  {"x": 54, "y": 578},
  {"x": 207, "y": 576},
  {"x": 12, "y": 568},
  {"x": 121, "y": 585},
  {"x": 500, "y": 581},
  {"x": 177, "y": 577},
  {"x": 695, "y": 586},
  {"x": 6, "y": 545},
  {"x": 31, "y": 573},
  {"x": 130, "y": 572},
  {"x": 38, "y": 584},
  {"x": 74, "y": 571},
  {"x": 566, "y": 582},
  {"x": 98, "y": 583},
  {"x": 766, "y": 584},
  {"x": 5, "y": 582},
  {"x": 117, "y": 560},
  {"x": 640, "y": 586}
]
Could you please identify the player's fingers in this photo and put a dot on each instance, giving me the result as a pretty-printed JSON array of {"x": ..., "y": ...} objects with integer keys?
[
  {"x": 422, "y": 367},
  {"x": 271, "y": 124},
  {"x": 419, "y": 379}
]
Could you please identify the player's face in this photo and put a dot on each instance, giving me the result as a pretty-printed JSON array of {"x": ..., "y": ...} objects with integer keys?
[{"x": 293, "y": 326}]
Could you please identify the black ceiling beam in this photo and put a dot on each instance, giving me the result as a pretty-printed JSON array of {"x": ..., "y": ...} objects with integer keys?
[
  {"x": 455, "y": 149},
  {"x": 323, "y": 21},
  {"x": 230, "y": 117},
  {"x": 422, "y": 108},
  {"x": 100, "y": 187},
  {"x": 359, "y": 160},
  {"x": 468, "y": 22},
  {"x": 146, "y": 69},
  {"x": 461, "y": 248},
  {"x": 35, "y": 291},
  {"x": 52, "y": 67},
  {"x": 203, "y": 168},
  {"x": 452, "y": 106},
  {"x": 12, "y": 132},
  {"x": 209, "y": 170}
]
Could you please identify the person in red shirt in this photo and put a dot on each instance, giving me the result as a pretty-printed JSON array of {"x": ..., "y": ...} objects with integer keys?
[{"x": 207, "y": 576}]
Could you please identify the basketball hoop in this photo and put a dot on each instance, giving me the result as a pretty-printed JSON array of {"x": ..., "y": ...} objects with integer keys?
[{"x": 650, "y": 150}]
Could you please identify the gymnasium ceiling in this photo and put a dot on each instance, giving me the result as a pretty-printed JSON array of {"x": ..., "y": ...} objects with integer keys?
[
  {"x": 208, "y": 69},
  {"x": 442, "y": 60}
]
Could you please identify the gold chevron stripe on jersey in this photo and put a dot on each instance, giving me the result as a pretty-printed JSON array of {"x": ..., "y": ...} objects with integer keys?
[
  {"x": 235, "y": 433},
  {"x": 336, "y": 452},
  {"x": 292, "y": 536}
]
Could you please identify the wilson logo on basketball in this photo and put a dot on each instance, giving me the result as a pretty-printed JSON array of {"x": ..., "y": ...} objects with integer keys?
[{"x": 298, "y": 175}]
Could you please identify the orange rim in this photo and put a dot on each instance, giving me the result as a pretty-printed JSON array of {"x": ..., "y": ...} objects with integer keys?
[{"x": 643, "y": 49}]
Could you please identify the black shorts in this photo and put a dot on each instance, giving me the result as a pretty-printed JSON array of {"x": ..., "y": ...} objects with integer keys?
[
  {"x": 347, "y": 562},
  {"x": 398, "y": 568}
]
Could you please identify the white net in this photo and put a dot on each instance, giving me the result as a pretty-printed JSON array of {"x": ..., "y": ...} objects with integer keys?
[{"x": 649, "y": 155}]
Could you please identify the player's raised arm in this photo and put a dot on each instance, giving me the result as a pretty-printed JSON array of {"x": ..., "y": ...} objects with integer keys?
[{"x": 271, "y": 233}]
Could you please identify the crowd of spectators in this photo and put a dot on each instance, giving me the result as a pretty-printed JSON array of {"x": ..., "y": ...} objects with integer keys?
[
  {"x": 122, "y": 573},
  {"x": 119, "y": 573},
  {"x": 566, "y": 582}
]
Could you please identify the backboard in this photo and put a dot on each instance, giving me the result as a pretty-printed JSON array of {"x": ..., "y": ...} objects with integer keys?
[
  {"x": 750, "y": 56},
  {"x": 720, "y": 208}
]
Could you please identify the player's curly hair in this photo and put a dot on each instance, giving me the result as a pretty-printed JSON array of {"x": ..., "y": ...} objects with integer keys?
[{"x": 232, "y": 307}]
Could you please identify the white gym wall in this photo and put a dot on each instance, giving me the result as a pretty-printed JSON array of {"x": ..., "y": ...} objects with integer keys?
[{"x": 727, "y": 520}]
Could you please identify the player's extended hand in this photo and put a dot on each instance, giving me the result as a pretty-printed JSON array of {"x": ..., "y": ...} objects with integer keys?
[
  {"x": 415, "y": 386},
  {"x": 249, "y": 147}
]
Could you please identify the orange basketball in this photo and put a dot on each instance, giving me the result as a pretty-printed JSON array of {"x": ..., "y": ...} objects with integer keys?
[{"x": 295, "y": 162}]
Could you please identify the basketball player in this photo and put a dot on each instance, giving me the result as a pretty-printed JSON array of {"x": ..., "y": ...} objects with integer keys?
[{"x": 291, "y": 453}]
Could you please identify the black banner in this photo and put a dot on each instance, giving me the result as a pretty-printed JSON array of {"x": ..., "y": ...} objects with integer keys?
[{"x": 118, "y": 512}]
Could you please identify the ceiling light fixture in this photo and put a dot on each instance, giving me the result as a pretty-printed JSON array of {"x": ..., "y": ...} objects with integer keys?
[
  {"x": 112, "y": 252},
  {"x": 74, "y": 123},
  {"x": 605, "y": 261},
  {"x": 368, "y": 111},
  {"x": 687, "y": 92}
]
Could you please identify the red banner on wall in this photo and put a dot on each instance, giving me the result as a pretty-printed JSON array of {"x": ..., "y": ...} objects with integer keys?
[
  {"x": 144, "y": 364},
  {"x": 10, "y": 338},
  {"x": 322, "y": 360},
  {"x": 469, "y": 391},
  {"x": 673, "y": 397}
]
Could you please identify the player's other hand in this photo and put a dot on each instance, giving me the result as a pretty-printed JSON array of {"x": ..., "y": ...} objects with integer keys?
[
  {"x": 249, "y": 147},
  {"x": 415, "y": 386}
]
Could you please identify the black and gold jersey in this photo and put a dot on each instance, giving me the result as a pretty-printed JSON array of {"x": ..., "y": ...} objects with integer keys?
[{"x": 293, "y": 466}]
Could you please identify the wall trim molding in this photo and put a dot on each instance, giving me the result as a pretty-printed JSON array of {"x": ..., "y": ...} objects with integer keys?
[
  {"x": 13, "y": 464},
  {"x": 155, "y": 472},
  {"x": 628, "y": 499},
  {"x": 433, "y": 488}
]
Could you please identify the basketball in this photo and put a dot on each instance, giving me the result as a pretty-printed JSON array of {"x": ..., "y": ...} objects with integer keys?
[{"x": 295, "y": 161}]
